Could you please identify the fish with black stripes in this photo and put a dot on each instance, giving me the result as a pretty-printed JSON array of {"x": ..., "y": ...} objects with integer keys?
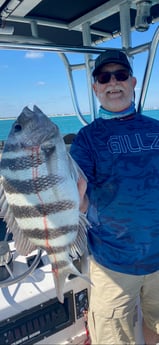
[{"x": 39, "y": 198}]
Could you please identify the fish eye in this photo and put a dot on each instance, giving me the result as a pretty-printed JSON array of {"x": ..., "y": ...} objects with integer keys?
[{"x": 17, "y": 128}]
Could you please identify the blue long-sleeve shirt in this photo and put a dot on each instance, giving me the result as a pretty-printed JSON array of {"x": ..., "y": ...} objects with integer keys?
[{"x": 121, "y": 161}]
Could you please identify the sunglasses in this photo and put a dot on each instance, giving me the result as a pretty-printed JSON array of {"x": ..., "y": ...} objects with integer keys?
[{"x": 120, "y": 75}]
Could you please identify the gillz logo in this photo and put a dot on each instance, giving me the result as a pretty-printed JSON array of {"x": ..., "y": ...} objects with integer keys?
[{"x": 124, "y": 143}]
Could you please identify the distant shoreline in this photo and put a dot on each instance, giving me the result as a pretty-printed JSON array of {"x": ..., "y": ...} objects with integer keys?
[
  {"x": 71, "y": 114},
  {"x": 54, "y": 115}
]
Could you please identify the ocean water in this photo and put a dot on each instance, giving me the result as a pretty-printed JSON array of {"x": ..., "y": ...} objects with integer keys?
[{"x": 66, "y": 124}]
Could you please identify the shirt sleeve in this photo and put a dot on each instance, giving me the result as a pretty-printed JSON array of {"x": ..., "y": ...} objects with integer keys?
[{"x": 82, "y": 153}]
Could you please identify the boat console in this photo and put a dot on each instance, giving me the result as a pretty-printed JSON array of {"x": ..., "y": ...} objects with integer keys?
[{"x": 30, "y": 310}]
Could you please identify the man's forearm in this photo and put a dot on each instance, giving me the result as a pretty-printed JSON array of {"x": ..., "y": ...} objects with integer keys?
[
  {"x": 84, "y": 204},
  {"x": 84, "y": 201}
]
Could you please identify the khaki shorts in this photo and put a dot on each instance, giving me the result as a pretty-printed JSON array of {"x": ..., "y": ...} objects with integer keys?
[{"x": 112, "y": 311}]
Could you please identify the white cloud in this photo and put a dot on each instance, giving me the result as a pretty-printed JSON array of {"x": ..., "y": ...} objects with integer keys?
[
  {"x": 41, "y": 83},
  {"x": 34, "y": 55}
]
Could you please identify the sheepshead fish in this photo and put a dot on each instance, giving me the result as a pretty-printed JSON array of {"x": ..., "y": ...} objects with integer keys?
[{"x": 39, "y": 196}]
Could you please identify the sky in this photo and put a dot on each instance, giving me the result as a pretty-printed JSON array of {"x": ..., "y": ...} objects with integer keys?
[{"x": 29, "y": 78}]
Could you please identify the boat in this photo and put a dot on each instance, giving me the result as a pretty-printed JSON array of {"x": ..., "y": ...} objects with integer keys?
[{"x": 30, "y": 312}]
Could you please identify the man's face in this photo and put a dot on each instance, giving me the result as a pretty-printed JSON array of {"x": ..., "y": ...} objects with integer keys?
[{"x": 115, "y": 95}]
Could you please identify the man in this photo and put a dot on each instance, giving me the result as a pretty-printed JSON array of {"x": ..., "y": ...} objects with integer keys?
[{"x": 119, "y": 153}]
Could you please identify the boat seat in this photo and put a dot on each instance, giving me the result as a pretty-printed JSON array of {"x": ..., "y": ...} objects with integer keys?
[{"x": 68, "y": 139}]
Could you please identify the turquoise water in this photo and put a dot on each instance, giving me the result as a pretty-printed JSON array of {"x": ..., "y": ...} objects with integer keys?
[{"x": 66, "y": 124}]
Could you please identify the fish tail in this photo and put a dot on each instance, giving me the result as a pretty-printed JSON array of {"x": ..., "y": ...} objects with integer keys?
[{"x": 60, "y": 276}]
